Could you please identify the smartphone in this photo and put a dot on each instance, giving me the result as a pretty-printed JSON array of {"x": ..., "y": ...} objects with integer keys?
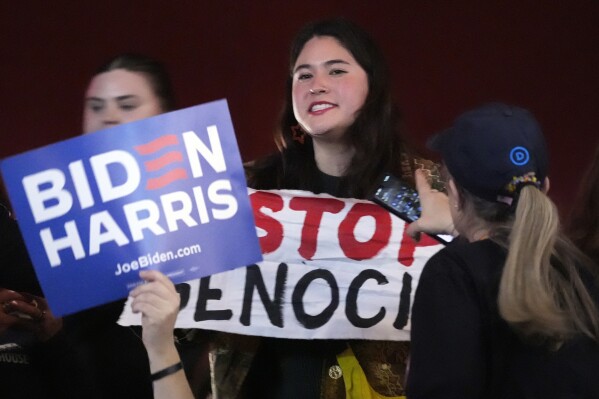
[{"x": 402, "y": 200}]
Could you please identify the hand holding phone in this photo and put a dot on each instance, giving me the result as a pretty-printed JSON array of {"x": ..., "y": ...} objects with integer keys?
[{"x": 402, "y": 200}]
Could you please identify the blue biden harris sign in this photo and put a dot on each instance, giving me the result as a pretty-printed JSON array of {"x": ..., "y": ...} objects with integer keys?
[{"x": 166, "y": 193}]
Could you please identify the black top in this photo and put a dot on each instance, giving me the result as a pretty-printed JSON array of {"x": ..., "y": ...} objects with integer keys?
[
  {"x": 90, "y": 357},
  {"x": 292, "y": 368},
  {"x": 462, "y": 348},
  {"x": 30, "y": 368},
  {"x": 43, "y": 370},
  {"x": 16, "y": 270}
]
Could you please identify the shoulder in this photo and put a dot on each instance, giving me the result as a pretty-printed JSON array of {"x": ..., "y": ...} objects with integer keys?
[
  {"x": 263, "y": 173},
  {"x": 460, "y": 278},
  {"x": 480, "y": 260}
]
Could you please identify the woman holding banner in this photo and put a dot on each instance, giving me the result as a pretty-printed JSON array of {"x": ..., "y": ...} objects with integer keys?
[
  {"x": 338, "y": 134},
  {"x": 514, "y": 312}
]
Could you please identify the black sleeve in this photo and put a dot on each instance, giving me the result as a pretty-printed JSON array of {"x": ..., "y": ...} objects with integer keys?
[
  {"x": 447, "y": 359},
  {"x": 16, "y": 270},
  {"x": 63, "y": 369}
]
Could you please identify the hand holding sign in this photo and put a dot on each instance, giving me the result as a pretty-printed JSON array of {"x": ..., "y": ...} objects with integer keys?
[
  {"x": 167, "y": 192},
  {"x": 158, "y": 301}
]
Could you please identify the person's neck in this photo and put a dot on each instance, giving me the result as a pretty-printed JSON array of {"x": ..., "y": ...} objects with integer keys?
[
  {"x": 333, "y": 158},
  {"x": 477, "y": 232},
  {"x": 472, "y": 227}
]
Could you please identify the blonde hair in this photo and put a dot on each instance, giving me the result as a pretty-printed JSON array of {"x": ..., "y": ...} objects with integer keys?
[{"x": 541, "y": 293}]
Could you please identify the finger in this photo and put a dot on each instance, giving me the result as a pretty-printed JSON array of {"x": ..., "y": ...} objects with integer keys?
[
  {"x": 156, "y": 288},
  {"x": 413, "y": 230},
  {"x": 43, "y": 304},
  {"x": 153, "y": 278},
  {"x": 422, "y": 184},
  {"x": 7, "y": 295},
  {"x": 7, "y": 319},
  {"x": 146, "y": 308},
  {"x": 169, "y": 302},
  {"x": 155, "y": 308},
  {"x": 155, "y": 297},
  {"x": 155, "y": 291},
  {"x": 155, "y": 314},
  {"x": 10, "y": 321},
  {"x": 152, "y": 275},
  {"x": 27, "y": 308}
]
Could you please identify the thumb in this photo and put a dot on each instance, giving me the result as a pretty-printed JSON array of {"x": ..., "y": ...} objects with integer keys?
[{"x": 413, "y": 230}]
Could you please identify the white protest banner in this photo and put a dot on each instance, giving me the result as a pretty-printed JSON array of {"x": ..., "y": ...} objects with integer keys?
[{"x": 333, "y": 268}]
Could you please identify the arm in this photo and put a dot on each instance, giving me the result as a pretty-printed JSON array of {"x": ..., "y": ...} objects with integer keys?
[
  {"x": 158, "y": 301},
  {"x": 53, "y": 357},
  {"x": 447, "y": 357},
  {"x": 436, "y": 217}
]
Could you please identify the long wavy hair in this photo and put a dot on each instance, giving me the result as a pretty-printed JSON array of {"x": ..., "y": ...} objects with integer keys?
[
  {"x": 542, "y": 292},
  {"x": 374, "y": 135},
  {"x": 584, "y": 221}
]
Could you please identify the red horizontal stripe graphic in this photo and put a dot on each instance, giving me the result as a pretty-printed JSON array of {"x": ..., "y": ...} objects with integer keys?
[
  {"x": 158, "y": 144},
  {"x": 165, "y": 179},
  {"x": 161, "y": 162}
]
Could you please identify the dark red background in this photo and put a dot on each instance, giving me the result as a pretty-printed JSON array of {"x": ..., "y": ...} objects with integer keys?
[{"x": 446, "y": 56}]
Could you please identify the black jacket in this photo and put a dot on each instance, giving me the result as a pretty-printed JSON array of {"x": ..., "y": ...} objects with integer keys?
[{"x": 462, "y": 348}]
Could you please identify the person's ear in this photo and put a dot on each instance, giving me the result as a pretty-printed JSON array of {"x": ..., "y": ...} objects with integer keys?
[{"x": 546, "y": 185}]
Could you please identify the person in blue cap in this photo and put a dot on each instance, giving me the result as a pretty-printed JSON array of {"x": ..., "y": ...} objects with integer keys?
[{"x": 512, "y": 312}]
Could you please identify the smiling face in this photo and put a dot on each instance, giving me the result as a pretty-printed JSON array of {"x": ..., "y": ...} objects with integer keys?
[
  {"x": 118, "y": 96},
  {"x": 329, "y": 88}
]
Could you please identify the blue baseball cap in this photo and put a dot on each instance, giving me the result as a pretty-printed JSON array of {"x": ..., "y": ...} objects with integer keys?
[{"x": 492, "y": 146}]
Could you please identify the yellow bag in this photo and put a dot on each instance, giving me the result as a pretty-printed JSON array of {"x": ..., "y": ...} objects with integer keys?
[{"x": 356, "y": 385}]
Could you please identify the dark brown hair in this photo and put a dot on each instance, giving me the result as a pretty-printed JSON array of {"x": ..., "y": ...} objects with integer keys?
[
  {"x": 154, "y": 71},
  {"x": 375, "y": 134}
]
